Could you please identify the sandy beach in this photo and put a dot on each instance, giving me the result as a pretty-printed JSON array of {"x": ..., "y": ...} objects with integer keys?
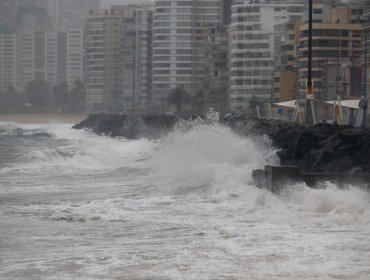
[{"x": 42, "y": 118}]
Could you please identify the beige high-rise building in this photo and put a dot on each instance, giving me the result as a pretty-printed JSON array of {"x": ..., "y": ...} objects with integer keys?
[
  {"x": 336, "y": 41},
  {"x": 103, "y": 62},
  {"x": 285, "y": 63},
  {"x": 8, "y": 62}
]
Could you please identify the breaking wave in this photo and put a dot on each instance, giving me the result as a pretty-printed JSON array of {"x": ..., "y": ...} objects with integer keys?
[{"x": 184, "y": 207}]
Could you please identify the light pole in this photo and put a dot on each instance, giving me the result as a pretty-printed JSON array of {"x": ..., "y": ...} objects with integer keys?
[
  {"x": 339, "y": 78},
  {"x": 364, "y": 103},
  {"x": 309, "y": 108}
]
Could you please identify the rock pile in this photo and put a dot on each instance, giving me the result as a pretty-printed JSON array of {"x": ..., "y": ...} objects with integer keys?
[
  {"x": 322, "y": 148},
  {"x": 128, "y": 126}
]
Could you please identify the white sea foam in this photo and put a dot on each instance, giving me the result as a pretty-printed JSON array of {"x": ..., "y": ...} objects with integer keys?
[
  {"x": 200, "y": 156},
  {"x": 83, "y": 151},
  {"x": 196, "y": 215}
]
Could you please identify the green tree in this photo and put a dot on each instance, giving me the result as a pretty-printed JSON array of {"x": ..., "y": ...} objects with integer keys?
[
  {"x": 9, "y": 99},
  {"x": 178, "y": 97},
  {"x": 60, "y": 95},
  {"x": 39, "y": 94},
  {"x": 77, "y": 97}
]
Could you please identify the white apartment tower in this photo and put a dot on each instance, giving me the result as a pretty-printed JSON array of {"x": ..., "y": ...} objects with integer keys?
[
  {"x": 103, "y": 69},
  {"x": 56, "y": 57},
  {"x": 252, "y": 48},
  {"x": 178, "y": 45},
  {"x": 75, "y": 56},
  {"x": 25, "y": 59},
  {"x": 8, "y": 62}
]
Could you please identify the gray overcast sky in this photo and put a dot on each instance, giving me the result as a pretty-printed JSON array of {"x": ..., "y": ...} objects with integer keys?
[{"x": 106, "y": 3}]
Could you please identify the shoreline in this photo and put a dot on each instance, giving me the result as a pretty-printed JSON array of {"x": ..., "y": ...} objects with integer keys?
[{"x": 43, "y": 118}]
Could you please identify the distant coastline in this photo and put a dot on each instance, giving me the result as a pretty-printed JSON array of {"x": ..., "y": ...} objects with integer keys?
[{"x": 43, "y": 118}]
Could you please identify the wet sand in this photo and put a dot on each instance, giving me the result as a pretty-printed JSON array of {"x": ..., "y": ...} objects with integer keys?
[{"x": 43, "y": 118}]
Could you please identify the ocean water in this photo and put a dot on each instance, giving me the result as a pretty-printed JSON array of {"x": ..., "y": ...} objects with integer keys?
[{"x": 79, "y": 206}]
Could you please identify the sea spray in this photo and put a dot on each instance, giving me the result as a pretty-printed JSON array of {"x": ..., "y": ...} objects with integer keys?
[
  {"x": 183, "y": 207},
  {"x": 203, "y": 154}
]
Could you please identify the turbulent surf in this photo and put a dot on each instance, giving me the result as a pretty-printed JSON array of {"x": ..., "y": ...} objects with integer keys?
[{"x": 74, "y": 205}]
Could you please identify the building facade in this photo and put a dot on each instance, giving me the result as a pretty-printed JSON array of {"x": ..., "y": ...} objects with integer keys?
[
  {"x": 178, "y": 45},
  {"x": 52, "y": 56},
  {"x": 366, "y": 48},
  {"x": 8, "y": 62},
  {"x": 74, "y": 56},
  {"x": 144, "y": 58},
  {"x": 336, "y": 32},
  {"x": 215, "y": 83},
  {"x": 252, "y": 48},
  {"x": 103, "y": 80},
  {"x": 8, "y": 9},
  {"x": 136, "y": 46},
  {"x": 285, "y": 63},
  {"x": 25, "y": 59}
]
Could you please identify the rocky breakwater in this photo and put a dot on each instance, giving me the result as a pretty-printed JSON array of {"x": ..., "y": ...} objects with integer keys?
[
  {"x": 310, "y": 154},
  {"x": 128, "y": 126},
  {"x": 316, "y": 153}
]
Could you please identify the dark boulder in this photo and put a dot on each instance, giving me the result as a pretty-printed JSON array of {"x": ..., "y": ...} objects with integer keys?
[{"x": 321, "y": 148}]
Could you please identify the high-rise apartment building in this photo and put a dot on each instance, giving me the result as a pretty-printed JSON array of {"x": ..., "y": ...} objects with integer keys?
[
  {"x": 336, "y": 32},
  {"x": 63, "y": 14},
  {"x": 45, "y": 56},
  {"x": 52, "y": 56},
  {"x": 103, "y": 71},
  {"x": 8, "y": 9},
  {"x": 8, "y": 66},
  {"x": 215, "y": 85},
  {"x": 128, "y": 42},
  {"x": 25, "y": 59},
  {"x": 74, "y": 55},
  {"x": 62, "y": 58},
  {"x": 136, "y": 46},
  {"x": 37, "y": 59},
  {"x": 178, "y": 45},
  {"x": 71, "y": 14},
  {"x": 30, "y": 19},
  {"x": 285, "y": 64},
  {"x": 252, "y": 48},
  {"x": 144, "y": 58}
]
